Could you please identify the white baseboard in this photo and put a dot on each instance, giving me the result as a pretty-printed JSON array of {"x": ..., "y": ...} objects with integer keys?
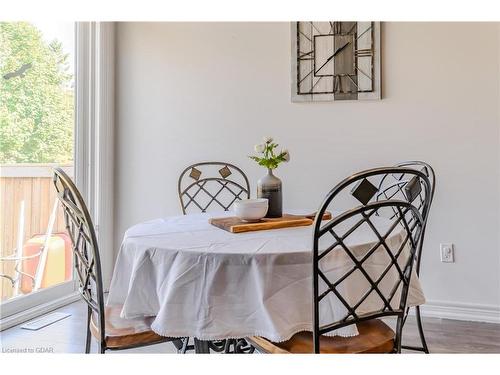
[
  {"x": 36, "y": 311},
  {"x": 461, "y": 311}
]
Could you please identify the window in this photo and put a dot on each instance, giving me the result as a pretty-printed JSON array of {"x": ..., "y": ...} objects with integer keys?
[
  {"x": 37, "y": 123},
  {"x": 73, "y": 103}
]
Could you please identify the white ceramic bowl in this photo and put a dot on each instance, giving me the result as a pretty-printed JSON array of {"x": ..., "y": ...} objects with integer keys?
[{"x": 251, "y": 209}]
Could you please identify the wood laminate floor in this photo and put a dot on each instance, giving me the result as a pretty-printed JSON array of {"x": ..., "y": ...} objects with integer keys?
[{"x": 68, "y": 336}]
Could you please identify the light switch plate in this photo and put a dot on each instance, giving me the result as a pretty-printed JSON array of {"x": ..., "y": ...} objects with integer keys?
[{"x": 447, "y": 253}]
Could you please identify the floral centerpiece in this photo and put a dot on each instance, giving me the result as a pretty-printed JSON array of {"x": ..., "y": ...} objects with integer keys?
[
  {"x": 270, "y": 186},
  {"x": 270, "y": 159}
]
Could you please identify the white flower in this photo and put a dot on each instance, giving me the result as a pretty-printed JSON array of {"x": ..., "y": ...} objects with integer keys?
[
  {"x": 286, "y": 155},
  {"x": 268, "y": 139},
  {"x": 259, "y": 148}
]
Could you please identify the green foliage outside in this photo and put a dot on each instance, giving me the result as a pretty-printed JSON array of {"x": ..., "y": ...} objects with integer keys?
[{"x": 36, "y": 100}]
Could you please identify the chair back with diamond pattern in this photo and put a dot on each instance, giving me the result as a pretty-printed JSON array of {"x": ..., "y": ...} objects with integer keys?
[
  {"x": 392, "y": 230},
  {"x": 395, "y": 186},
  {"x": 398, "y": 185},
  {"x": 85, "y": 248},
  {"x": 211, "y": 186}
]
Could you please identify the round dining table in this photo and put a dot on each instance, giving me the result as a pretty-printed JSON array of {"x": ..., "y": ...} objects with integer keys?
[{"x": 196, "y": 280}]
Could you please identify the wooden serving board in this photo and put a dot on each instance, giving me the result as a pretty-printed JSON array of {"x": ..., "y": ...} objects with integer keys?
[{"x": 236, "y": 225}]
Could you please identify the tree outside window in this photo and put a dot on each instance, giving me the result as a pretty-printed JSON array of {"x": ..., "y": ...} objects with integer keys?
[{"x": 36, "y": 97}]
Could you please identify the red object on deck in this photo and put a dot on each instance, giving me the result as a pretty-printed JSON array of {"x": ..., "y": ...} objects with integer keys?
[{"x": 58, "y": 268}]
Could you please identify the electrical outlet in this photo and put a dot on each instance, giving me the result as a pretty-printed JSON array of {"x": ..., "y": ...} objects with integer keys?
[{"x": 447, "y": 253}]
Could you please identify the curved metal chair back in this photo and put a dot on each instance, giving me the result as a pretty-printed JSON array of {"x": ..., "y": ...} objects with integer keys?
[
  {"x": 395, "y": 186},
  {"x": 425, "y": 168},
  {"x": 85, "y": 248},
  {"x": 404, "y": 183},
  {"x": 396, "y": 238},
  {"x": 208, "y": 185}
]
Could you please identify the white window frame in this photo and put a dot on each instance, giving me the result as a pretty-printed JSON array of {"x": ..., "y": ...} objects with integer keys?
[
  {"x": 95, "y": 124},
  {"x": 94, "y": 131}
]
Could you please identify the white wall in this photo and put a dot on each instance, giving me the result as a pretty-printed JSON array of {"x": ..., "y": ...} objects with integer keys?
[{"x": 192, "y": 92}]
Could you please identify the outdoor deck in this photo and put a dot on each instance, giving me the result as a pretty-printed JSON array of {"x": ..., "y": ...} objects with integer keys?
[{"x": 31, "y": 183}]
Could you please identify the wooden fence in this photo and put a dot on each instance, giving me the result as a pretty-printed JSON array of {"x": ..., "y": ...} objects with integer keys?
[{"x": 31, "y": 183}]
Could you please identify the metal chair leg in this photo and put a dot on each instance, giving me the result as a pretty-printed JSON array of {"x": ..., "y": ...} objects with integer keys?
[
  {"x": 89, "y": 335},
  {"x": 399, "y": 336},
  {"x": 421, "y": 330},
  {"x": 424, "y": 347},
  {"x": 201, "y": 346}
]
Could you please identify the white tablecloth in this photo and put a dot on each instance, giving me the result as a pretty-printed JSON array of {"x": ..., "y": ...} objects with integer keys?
[{"x": 204, "y": 282}]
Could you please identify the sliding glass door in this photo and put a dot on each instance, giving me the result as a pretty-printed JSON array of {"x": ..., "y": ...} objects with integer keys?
[{"x": 37, "y": 132}]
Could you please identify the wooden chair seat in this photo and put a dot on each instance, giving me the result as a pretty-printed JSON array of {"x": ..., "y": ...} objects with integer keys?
[
  {"x": 122, "y": 333},
  {"x": 374, "y": 337}
]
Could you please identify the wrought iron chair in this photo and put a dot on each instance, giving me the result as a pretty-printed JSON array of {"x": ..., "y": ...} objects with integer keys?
[
  {"x": 225, "y": 184},
  {"x": 393, "y": 186},
  {"x": 103, "y": 322},
  {"x": 399, "y": 185},
  {"x": 203, "y": 187},
  {"x": 331, "y": 246}
]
